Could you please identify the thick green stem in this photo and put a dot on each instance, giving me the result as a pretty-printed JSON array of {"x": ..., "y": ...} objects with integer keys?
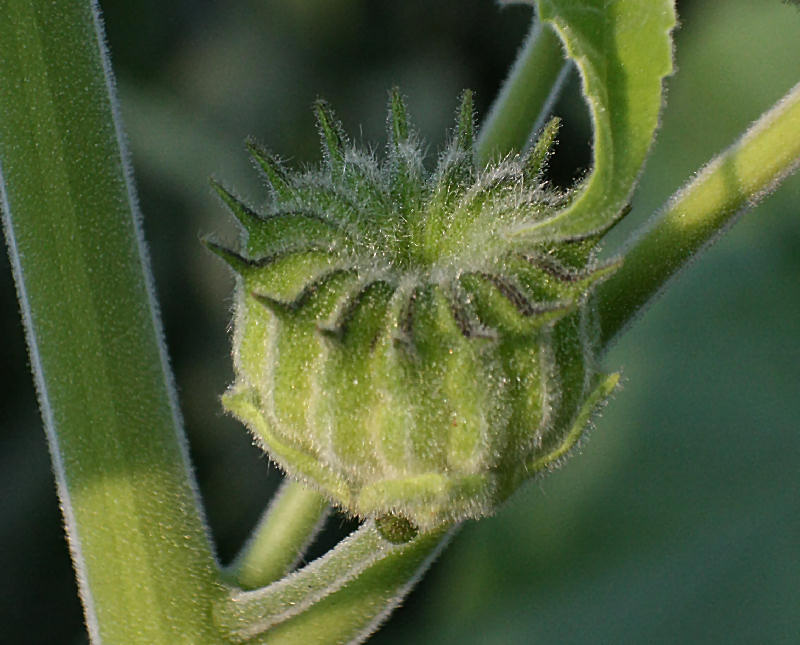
[
  {"x": 526, "y": 96},
  {"x": 145, "y": 566},
  {"x": 292, "y": 520},
  {"x": 734, "y": 181}
]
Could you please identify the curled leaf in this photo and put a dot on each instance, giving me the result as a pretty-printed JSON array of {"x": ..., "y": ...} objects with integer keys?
[{"x": 623, "y": 51}]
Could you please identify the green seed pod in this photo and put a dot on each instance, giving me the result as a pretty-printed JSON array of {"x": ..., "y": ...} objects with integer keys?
[{"x": 398, "y": 345}]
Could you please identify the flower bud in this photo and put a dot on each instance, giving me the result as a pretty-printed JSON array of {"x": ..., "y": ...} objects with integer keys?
[{"x": 398, "y": 344}]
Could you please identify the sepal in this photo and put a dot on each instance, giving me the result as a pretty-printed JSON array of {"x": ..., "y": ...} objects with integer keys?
[
  {"x": 535, "y": 161},
  {"x": 332, "y": 135},
  {"x": 273, "y": 172}
]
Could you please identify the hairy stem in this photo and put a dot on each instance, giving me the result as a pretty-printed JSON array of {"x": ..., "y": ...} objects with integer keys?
[
  {"x": 354, "y": 612},
  {"x": 145, "y": 566},
  {"x": 734, "y": 181},
  {"x": 289, "y": 524},
  {"x": 526, "y": 96},
  {"x": 339, "y": 593}
]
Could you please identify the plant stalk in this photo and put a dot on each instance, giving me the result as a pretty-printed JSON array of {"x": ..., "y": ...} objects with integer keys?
[
  {"x": 291, "y": 521},
  {"x": 343, "y": 594},
  {"x": 526, "y": 96},
  {"x": 693, "y": 218},
  {"x": 354, "y": 612},
  {"x": 144, "y": 563}
]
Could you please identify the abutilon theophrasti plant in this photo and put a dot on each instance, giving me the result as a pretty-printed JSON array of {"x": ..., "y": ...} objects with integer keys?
[
  {"x": 403, "y": 343},
  {"x": 411, "y": 343}
]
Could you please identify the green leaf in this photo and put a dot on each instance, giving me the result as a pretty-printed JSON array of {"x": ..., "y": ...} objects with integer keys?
[{"x": 623, "y": 50}]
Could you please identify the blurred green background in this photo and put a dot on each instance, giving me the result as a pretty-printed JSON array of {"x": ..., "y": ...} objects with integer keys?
[{"x": 679, "y": 521}]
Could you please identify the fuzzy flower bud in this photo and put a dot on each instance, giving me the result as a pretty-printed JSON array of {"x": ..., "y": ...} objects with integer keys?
[{"x": 398, "y": 345}]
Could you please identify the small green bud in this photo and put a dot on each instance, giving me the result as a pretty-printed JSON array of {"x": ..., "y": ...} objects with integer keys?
[
  {"x": 397, "y": 345},
  {"x": 395, "y": 529}
]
